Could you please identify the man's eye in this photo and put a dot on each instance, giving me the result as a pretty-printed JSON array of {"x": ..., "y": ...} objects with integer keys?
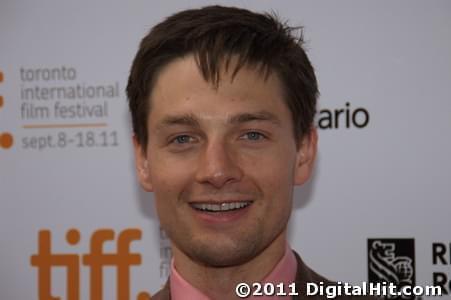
[
  {"x": 182, "y": 139},
  {"x": 253, "y": 136}
]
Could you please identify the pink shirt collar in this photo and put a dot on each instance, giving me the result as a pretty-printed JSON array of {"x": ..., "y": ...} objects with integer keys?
[{"x": 284, "y": 271}]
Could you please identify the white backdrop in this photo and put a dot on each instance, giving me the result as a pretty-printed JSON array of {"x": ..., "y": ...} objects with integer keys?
[{"x": 71, "y": 167}]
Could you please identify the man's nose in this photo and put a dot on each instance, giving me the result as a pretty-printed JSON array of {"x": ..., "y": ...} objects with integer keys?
[{"x": 218, "y": 165}]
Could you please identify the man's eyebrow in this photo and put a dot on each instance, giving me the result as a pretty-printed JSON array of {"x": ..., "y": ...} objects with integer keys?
[
  {"x": 192, "y": 121},
  {"x": 257, "y": 116},
  {"x": 185, "y": 120}
]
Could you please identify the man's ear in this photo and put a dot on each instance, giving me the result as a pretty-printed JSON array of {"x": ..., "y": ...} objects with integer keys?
[
  {"x": 305, "y": 158},
  {"x": 142, "y": 166}
]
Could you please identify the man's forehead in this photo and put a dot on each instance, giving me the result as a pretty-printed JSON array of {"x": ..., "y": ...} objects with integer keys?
[
  {"x": 230, "y": 68},
  {"x": 182, "y": 96},
  {"x": 183, "y": 78}
]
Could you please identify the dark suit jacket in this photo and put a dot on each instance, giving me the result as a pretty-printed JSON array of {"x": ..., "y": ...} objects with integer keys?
[{"x": 303, "y": 275}]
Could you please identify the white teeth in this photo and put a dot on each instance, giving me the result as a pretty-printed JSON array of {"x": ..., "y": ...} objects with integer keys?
[{"x": 220, "y": 206}]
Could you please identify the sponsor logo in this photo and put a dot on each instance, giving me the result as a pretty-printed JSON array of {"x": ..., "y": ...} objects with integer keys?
[
  {"x": 392, "y": 261},
  {"x": 45, "y": 260}
]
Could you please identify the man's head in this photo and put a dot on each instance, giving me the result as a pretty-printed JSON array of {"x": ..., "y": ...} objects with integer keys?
[
  {"x": 214, "y": 35},
  {"x": 222, "y": 102}
]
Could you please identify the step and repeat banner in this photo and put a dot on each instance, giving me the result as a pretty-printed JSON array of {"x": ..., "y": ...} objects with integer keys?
[{"x": 74, "y": 223}]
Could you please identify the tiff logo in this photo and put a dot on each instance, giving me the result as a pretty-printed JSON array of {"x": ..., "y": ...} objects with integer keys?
[
  {"x": 392, "y": 261},
  {"x": 95, "y": 260}
]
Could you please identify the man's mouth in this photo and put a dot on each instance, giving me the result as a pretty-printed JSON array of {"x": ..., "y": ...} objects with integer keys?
[{"x": 220, "y": 207}]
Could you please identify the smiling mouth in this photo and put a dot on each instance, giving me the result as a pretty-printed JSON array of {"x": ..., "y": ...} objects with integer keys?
[{"x": 221, "y": 207}]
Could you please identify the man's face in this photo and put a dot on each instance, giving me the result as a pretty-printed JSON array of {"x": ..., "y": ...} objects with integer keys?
[{"x": 222, "y": 162}]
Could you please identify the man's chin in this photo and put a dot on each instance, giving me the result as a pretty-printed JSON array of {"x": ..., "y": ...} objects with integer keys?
[
  {"x": 222, "y": 255},
  {"x": 224, "y": 258}
]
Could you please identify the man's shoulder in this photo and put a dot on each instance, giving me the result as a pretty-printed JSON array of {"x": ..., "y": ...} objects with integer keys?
[{"x": 305, "y": 275}]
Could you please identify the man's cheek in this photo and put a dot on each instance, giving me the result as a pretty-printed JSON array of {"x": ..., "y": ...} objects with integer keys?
[{"x": 272, "y": 177}]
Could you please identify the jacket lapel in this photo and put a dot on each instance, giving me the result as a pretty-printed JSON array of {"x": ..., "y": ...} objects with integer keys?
[{"x": 304, "y": 275}]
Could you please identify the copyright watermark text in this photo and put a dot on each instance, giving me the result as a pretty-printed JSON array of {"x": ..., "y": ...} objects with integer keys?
[{"x": 333, "y": 290}]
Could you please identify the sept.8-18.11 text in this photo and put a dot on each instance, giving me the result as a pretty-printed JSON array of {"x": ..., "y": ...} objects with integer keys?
[{"x": 77, "y": 139}]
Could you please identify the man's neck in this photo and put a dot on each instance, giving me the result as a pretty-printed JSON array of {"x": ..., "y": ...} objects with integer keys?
[{"x": 220, "y": 283}]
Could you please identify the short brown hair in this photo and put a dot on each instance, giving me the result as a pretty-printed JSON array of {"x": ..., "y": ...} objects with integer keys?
[{"x": 214, "y": 34}]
